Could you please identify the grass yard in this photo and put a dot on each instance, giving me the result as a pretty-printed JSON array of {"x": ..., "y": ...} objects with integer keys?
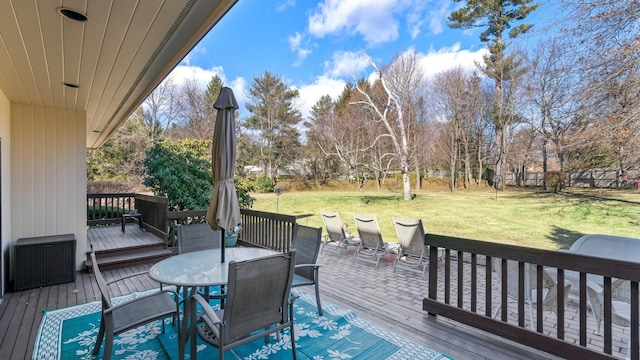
[{"x": 525, "y": 217}]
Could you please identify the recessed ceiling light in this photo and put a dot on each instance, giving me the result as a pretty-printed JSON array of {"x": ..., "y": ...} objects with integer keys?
[
  {"x": 72, "y": 14},
  {"x": 73, "y": 86}
]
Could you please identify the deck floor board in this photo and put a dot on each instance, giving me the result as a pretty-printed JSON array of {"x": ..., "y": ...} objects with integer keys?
[{"x": 391, "y": 300}]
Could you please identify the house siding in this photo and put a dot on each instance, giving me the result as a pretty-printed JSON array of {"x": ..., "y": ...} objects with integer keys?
[
  {"x": 48, "y": 174},
  {"x": 5, "y": 190}
]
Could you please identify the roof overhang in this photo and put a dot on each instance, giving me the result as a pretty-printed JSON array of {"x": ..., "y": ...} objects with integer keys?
[{"x": 110, "y": 63}]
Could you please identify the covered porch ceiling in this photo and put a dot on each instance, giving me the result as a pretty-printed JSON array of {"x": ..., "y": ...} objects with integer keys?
[{"x": 106, "y": 65}]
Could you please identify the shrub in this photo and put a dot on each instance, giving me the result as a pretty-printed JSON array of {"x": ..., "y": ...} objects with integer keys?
[
  {"x": 181, "y": 171},
  {"x": 243, "y": 188},
  {"x": 264, "y": 184},
  {"x": 104, "y": 212}
]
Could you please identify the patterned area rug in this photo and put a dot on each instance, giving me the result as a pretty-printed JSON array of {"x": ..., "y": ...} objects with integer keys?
[{"x": 70, "y": 334}]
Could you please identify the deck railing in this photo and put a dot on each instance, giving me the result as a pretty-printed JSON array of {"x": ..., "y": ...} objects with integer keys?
[
  {"x": 154, "y": 213},
  {"x": 259, "y": 228},
  {"x": 268, "y": 230},
  {"x": 466, "y": 261},
  {"x": 108, "y": 208}
]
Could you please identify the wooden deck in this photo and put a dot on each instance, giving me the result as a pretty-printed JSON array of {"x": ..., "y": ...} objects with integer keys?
[
  {"x": 392, "y": 300},
  {"x": 115, "y": 248},
  {"x": 111, "y": 237}
]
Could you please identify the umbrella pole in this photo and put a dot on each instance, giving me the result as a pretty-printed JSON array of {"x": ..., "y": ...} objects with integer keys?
[{"x": 223, "y": 244}]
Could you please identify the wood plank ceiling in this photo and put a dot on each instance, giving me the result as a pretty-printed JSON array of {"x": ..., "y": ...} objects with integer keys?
[{"x": 116, "y": 57}]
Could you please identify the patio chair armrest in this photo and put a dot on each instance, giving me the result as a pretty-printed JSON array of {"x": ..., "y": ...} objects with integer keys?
[
  {"x": 209, "y": 317},
  {"x": 315, "y": 266},
  {"x": 127, "y": 277},
  {"x": 139, "y": 298},
  {"x": 206, "y": 308}
]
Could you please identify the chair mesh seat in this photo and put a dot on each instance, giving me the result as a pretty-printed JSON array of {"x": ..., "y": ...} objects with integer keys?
[
  {"x": 157, "y": 306},
  {"x": 301, "y": 280}
]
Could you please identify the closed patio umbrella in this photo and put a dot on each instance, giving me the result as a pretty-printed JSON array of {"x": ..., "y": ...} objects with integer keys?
[{"x": 224, "y": 210}]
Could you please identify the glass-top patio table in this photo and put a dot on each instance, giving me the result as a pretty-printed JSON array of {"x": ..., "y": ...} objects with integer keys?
[{"x": 200, "y": 269}]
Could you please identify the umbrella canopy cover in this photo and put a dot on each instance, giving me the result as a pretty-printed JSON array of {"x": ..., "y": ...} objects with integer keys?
[{"x": 224, "y": 210}]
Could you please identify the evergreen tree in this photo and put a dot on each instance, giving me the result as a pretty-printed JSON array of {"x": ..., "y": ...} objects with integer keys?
[
  {"x": 496, "y": 17},
  {"x": 275, "y": 119}
]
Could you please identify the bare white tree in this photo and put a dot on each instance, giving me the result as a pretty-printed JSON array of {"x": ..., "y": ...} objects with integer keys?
[
  {"x": 397, "y": 81},
  {"x": 161, "y": 109}
]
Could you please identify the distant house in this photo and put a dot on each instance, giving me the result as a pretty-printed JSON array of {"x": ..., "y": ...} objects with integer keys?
[{"x": 253, "y": 170}]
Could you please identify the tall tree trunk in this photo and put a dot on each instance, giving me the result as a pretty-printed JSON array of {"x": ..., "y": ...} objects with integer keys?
[
  {"x": 406, "y": 186},
  {"x": 499, "y": 171},
  {"x": 452, "y": 170},
  {"x": 545, "y": 162},
  {"x": 417, "y": 167},
  {"x": 480, "y": 171},
  {"x": 467, "y": 165}
]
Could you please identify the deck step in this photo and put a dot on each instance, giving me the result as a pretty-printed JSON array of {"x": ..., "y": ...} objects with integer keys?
[
  {"x": 113, "y": 259},
  {"x": 127, "y": 250}
]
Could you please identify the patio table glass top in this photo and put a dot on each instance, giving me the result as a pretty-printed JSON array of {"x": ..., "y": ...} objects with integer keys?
[{"x": 202, "y": 268}]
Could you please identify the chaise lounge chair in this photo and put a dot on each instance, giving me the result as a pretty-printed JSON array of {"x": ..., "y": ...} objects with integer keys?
[
  {"x": 371, "y": 247},
  {"x": 336, "y": 239}
]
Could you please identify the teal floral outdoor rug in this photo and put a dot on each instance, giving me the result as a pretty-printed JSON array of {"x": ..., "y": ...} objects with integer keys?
[{"x": 70, "y": 333}]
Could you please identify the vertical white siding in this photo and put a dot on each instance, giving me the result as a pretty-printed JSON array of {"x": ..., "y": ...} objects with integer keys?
[
  {"x": 5, "y": 190},
  {"x": 48, "y": 174}
]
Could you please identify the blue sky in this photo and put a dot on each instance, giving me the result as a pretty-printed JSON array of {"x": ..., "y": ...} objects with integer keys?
[{"x": 317, "y": 46}]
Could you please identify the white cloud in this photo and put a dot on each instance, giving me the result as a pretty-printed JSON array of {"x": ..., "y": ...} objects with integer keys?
[
  {"x": 197, "y": 52},
  {"x": 238, "y": 86},
  {"x": 415, "y": 18},
  {"x": 436, "y": 61},
  {"x": 295, "y": 40},
  {"x": 376, "y": 21},
  {"x": 345, "y": 64},
  {"x": 182, "y": 73},
  {"x": 373, "y": 20},
  {"x": 311, "y": 93},
  {"x": 295, "y": 44},
  {"x": 285, "y": 5},
  {"x": 437, "y": 17},
  {"x": 414, "y": 23}
]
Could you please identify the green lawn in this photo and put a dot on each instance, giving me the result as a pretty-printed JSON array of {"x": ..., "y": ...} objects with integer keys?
[{"x": 526, "y": 217}]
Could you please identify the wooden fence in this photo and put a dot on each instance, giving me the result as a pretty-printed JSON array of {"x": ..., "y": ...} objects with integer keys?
[
  {"x": 598, "y": 178},
  {"x": 595, "y": 178}
]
